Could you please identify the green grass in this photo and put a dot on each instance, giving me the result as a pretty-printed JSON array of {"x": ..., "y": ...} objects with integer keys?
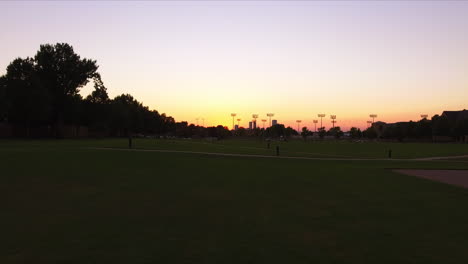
[
  {"x": 319, "y": 149},
  {"x": 63, "y": 202},
  {"x": 307, "y": 149}
]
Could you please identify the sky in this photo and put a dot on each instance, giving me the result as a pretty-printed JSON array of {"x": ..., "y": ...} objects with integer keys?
[{"x": 208, "y": 59}]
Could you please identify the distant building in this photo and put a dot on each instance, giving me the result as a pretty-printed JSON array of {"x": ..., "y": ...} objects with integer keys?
[
  {"x": 250, "y": 125},
  {"x": 454, "y": 116},
  {"x": 254, "y": 124},
  {"x": 274, "y": 122},
  {"x": 236, "y": 127}
]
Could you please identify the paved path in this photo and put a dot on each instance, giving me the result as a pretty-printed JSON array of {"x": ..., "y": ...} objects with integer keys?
[
  {"x": 279, "y": 157},
  {"x": 443, "y": 158}
]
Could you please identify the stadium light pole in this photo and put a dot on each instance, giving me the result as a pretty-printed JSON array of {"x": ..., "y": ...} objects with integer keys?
[
  {"x": 298, "y": 122},
  {"x": 238, "y": 120},
  {"x": 233, "y": 115},
  {"x": 373, "y": 116},
  {"x": 369, "y": 123},
  {"x": 315, "y": 123},
  {"x": 263, "y": 121},
  {"x": 321, "y": 116},
  {"x": 333, "y": 117},
  {"x": 270, "y": 115},
  {"x": 255, "y": 116}
]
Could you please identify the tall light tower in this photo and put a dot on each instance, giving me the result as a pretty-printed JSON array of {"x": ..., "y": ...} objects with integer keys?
[
  {"x": 369, "y": 123},
  {"x": 424, "y": 116},
  {"x": 333, "y": 117},
  {"x": 373, "y": 116},
  {"x": 233, "y": 115},
  {"x": 263, "y": 121},
  {"x": 270, "y": 115},
  {"x": 298, "y": 122},
  {"x": 321, "y": 116},
  {"x": 315, "y": 123},
  {"x": 255, "y": 116},
  {"x": 238, "y": 120}
]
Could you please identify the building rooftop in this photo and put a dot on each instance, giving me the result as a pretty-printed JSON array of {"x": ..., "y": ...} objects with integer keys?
[{"x": 456, "y": 115}]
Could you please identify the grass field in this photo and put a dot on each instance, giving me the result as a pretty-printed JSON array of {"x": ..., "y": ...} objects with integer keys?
[{"x": 69, "y": 202}]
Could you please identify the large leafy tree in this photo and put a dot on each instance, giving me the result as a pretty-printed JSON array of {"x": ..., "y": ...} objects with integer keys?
[
  {"x": 336, "y": 132},
  {"x": 62, "y": 70},
  {"x": 63, "y": 73},
  {"x": 99, "y": 95},
  {"x": 3, "y": 99},
  {"x": 26, "y": 99},
  {"x": 44, "y": 90},
  {"x": 96, "y": 107}
]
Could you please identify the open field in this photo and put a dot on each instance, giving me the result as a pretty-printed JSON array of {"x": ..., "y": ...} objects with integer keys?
[
  {"x": 320, "y": 149},
  {"x": 68, "y": 202}
]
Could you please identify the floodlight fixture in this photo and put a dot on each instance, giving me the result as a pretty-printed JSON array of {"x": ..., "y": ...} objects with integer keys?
[
  {"x": 298, "y": 122},
  {"x": 315, "y": 123},
  {"x": 233, "y": 115},
  {"x": 333, "y": 117},
  {"x": 321, "y": 116},
  {"x": 270, "y": 115}
]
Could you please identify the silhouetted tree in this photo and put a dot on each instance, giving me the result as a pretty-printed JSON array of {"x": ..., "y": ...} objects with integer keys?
[
  {"x": 3, "y": 99},
  {"x": 99, "y": 95},
  {"x": 222, "y": 132},
  {"x": 289, "y": 131},
  {"x": 63, "y": 73},
  {"x": 424, "y": 128},
  {"x": 240, "y": 132},
  {"x": 355, "y": 133},
  {"x": 370, "y": 133},
  {"x": 335, "y": 132},
  {"x": 27, "y": 101},
  {"x": 275, "y": 131},
  {"x": 322, "y": 132},
  {"x": 44, "y": 90},
  {"x": 96, "y": 108},
  {"x": 305, "y": 133}
]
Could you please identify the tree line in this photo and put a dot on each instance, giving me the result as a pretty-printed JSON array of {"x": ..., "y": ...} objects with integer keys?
[{"x": 44, "y": 91}]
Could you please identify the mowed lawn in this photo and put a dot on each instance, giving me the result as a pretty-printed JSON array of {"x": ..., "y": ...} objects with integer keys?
[
  {"x": 64, "y": 202},
  {"x": 316, "y": 149}
]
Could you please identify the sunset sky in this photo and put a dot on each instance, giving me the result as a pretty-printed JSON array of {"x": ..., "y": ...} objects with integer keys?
[{"x": 193, "y": 59}]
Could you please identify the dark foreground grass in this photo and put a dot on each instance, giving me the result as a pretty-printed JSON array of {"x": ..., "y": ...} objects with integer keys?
[{"x": 63, "y": 204}]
